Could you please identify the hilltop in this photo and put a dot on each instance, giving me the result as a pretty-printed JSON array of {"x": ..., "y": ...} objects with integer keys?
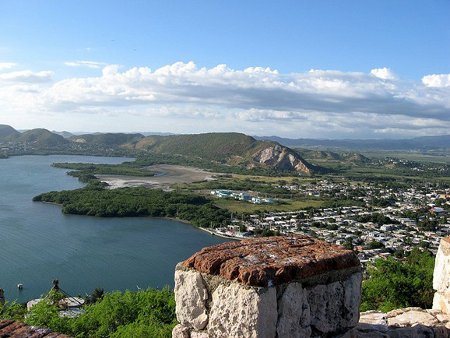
[
  {"x": 37, "y": 138},
  {"x": 7, "y": 131},
  {"x": 228, "y": 149}
]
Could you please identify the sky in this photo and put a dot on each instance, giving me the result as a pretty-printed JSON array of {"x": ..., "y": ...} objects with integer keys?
[{"x": 298, "y": 69}]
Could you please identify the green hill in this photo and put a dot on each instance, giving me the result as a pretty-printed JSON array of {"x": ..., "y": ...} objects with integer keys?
[
  {"x": 227, "y": 148},
  {"x": 39, "y": 138},
  {"x": 7, "y": 131},
  {"x": 326, "y": 155},
  {"x": 212, "y": 146}
]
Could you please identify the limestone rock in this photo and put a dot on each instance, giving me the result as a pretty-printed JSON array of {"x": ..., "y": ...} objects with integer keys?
[
  {"x": 373, "y": 317},
  {"x": 336, "y": 305},
  {"x": 352, "y": 299},
  {"x": 441, "y": 302},
  {"x": 326, "y": 303},
  {"x": 237, "y": 311},
  {"x": 190, "y": 296},
  {"x": 413, "y": 317},
  {"x": 199, "y": 334},
  {"x": 281, "y": 158},
  {"x": 441, "y": 275},
  {"x": 294, "y": 316},
  {"x": 180, "y": 331}
]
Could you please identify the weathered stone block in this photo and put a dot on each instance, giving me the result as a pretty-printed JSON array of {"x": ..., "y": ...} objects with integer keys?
[
  {"x": 190, "y": 297},
  {"x": 291, "y": 287},
  {"x": 441, "y": 275},
  {"x": 238, "y": 311},
  {"x": 294, "y": 313}
]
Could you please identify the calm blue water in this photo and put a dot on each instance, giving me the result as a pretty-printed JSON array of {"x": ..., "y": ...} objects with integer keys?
[{"x": 38, "y": 243}]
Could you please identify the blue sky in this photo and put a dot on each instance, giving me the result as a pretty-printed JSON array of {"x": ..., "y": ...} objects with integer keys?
[{"x": 92, "y": 66}]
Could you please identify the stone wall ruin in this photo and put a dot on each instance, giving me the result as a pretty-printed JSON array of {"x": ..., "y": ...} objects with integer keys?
[{"x": 293, "y": 286}]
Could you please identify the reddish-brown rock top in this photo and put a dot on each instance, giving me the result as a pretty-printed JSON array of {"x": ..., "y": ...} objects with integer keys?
[
  {"x": 272, "y": 260},
  {"x": 447, "y": 239},
  {"x": 10, "y": 328}
]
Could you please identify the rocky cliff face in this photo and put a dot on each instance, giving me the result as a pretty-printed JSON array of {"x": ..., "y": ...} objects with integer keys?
[{"x": 282, "y": 158}]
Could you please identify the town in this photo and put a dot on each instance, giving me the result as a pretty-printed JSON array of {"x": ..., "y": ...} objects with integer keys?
[{"x": 386, "y": 221}]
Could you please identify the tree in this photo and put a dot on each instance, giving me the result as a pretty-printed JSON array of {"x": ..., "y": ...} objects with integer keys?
[{"x": 395, "y": 284}]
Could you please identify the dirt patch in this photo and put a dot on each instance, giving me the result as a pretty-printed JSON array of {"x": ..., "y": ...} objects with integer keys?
[{"x": 165, "y": 176}]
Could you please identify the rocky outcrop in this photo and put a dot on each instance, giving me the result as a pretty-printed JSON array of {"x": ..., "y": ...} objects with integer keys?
[
  {"x": 282, "y": 158},
  {"x": 408, "y": 322},
  {"x": 268, "y": 287}
]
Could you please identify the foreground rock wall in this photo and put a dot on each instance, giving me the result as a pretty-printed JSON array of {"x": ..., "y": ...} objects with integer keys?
[
  {"x": 268, "y": 287},
  {"x": 441, "y": 277}
]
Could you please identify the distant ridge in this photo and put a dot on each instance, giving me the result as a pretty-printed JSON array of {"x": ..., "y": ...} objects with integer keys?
[
  {"x": 422, "y": 143},
  {"x": 37, "y": 138},
  {"x": 311, "y": 154}
]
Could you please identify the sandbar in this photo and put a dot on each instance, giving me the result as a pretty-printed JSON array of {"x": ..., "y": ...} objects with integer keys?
[{"x": 165, "y": 176}]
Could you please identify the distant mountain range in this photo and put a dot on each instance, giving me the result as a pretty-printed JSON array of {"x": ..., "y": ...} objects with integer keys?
[
  {"x": 423, "y": 143},
  {"x": 232, "y": 149}
]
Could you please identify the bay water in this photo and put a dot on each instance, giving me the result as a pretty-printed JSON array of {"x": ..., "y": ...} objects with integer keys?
[{"x": 38, "y": 243}]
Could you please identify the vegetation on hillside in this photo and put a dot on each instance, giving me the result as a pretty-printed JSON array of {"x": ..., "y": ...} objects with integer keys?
[
  {"x": 39, "y": 138},
  {"x": 7, "y": 131},
  {"x": 145, "y": 313},
  {"x": 393, "y": 284},
  {"x": 211, "y": 146}
]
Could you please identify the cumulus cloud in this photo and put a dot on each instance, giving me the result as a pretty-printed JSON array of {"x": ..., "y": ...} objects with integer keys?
[
  {"x": 85, "y": 63},
  {"x": 313, "y": 103},
  {"x": 436, "y": 80},
  {"x": 383, "y": 73}
]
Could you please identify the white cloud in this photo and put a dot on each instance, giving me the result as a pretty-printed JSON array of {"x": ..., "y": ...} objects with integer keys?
[
  {"x": 436, "y": 80},
  {"x": 85, "y": 63},
  {"x": 383, "y": 73},
  {"x": 26, "y": 76},
  {"x": 6, "y": 65},
  {"x": 182, "y": 95}
]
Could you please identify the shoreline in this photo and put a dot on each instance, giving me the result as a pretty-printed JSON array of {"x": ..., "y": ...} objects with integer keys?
[{"x": 214, "y": 233}]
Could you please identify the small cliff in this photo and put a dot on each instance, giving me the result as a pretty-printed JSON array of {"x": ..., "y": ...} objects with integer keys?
[{"x": 282, "y": 158}]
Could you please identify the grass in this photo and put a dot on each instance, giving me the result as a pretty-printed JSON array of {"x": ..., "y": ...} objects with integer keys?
[{"x": 246, "y": 207}]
